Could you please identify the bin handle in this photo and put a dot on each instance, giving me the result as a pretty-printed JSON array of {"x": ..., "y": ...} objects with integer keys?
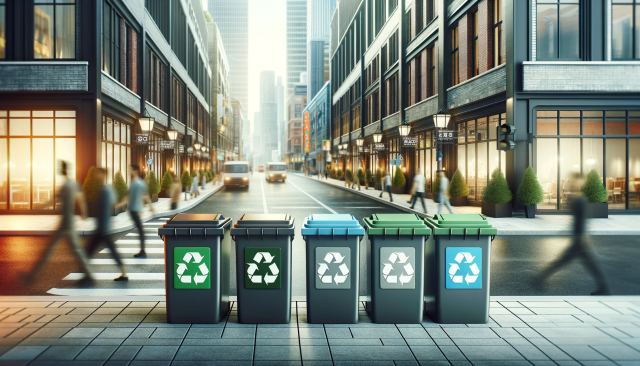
[
  {"x": 333, "y": 234},
  {"x": 398, "y": 234},
  {"x": 262, "y": 230},
  {"x": 247, "y": 234},
  {"x": 384, "y": 233},
  {"x": 450, "y": 230},
  {"x": 175, "y": 232},
  {"x": 276, "y": 233},
  {"x": 205, "y": 233},
  {"x": 190, "y": 237},
  {"x": 464, "y": 234}
]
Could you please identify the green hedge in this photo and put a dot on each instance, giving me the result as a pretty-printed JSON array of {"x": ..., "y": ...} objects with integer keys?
[
  {"x": 167, "y": 181},
  {"x": 186, "y": 180},
  {"x": 458, "y": 186},
  {"x": 398, "y": 178},
  {"x": 593, "y": 189},
  {"x": 120, "y": 186},
  {"x": 530, "y": 191},
  {"x": 379, "y": 176},
  {"x": 497, "y": 191},
  {"x": 154, "y": 186},
  {"x": 91, "y": 186},
  {"x": 360, "y": 175},
  {"x": 368, "y": 175}
]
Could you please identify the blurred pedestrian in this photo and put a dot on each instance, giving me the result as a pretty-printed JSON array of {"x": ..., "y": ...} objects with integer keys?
[
  {"x": 443, "y": 194},
  {"x": 175, "y": 190},
  {"x": 326, "y": 174},
  {"x": 194, "y": 186},
  {"x": 386, "y": 186},
  {"x": 418, "y": 190},
  {"x": 203, "y": 181},
  {"x": 580, "y": 247},
  {"x": 69, "y": 194},
  {"x": 137, "y": 196},
  {"x": 106, "y": 205}
]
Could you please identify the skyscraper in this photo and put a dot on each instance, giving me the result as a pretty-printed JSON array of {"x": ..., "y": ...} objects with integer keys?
[
  {"x": 319, "y": 14},
  {"x": 296, "y": 41},
  {"x": 232, "y": 18},
  {"x": 280, "y": 101},
  {"x": 269, "y": 114}
]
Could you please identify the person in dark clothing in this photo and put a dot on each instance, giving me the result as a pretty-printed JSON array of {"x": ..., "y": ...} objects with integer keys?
[
  {"x": 106, "y": 203},
  {"x": 580, "y": 246},
  {"x": 137, "y": 195}
]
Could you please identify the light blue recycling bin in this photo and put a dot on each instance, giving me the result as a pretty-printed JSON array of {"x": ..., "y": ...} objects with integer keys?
[{"x": 333, "y": 271}]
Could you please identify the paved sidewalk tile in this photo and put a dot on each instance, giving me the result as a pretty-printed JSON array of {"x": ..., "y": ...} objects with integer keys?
[
  {"x": 60, "y": 353},
  {"x": 277, "y": 353},
  {"x": 23, "y": 353}
]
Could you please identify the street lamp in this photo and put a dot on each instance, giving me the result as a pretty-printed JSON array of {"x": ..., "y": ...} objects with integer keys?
[
  {"x": 440, "y": 121},
  {"x": 197, "y": 145},
  {"x": 172, "y": 134},
  {"x": 377, "y": 137},
  {"x": 146, "y": 121},
  {"x": 360, "y": 141},
  {"x": 404, "y": 129}
]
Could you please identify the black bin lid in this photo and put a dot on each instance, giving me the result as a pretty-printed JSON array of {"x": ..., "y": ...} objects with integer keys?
[
  {"x": 196, "y": 221},
  {"x": 265, "y": 221}
]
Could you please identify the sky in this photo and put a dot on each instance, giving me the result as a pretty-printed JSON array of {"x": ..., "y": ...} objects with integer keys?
[{"x": 267, "y": 45}]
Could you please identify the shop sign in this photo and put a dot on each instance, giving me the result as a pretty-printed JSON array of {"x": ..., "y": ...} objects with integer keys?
[
  {"x": 446, "y": 136},
  {"x": 305, "y": 132},
  {"x": 378, "y": 146},
  {"x": 410, "y": 141},
  {"x": 167, "y": 145},
  {"x": 181, "y": 149},
  {"x": 326, "y": 145},
  {"x": 221, "y": 157},
  {"x": 143, "y": 139}
]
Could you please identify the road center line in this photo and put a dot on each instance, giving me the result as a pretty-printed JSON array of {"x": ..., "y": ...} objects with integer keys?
[
  {"x": 264, "y": 198},
  {"x": 310, "y": 196}
]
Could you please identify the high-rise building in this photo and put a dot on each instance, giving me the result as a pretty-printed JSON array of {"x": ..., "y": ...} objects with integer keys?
[
  {"x": 296, "y": 103},
  {"x": 232, "y": 18},
  {"x": 296, "y": 41},
  {"x": 269, "y": 114},
  {"x": 318, "y": 29},
  {"x": 280, "y": 101},
  {"x": 256, "y": 147}
]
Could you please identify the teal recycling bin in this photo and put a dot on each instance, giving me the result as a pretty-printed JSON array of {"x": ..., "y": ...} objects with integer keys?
[
  {"x": 462, "y": 267},
  {"x": 197, "y": 252},
  {"x": 263, "y": 267},
  {"x": 333, "y": 271}
]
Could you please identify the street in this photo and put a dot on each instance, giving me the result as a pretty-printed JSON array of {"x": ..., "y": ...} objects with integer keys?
[{"x": 516, "y": 260}]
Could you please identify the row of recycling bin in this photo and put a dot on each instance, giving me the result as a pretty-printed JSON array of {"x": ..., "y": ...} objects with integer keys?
[{"x": 444, "y": 259}]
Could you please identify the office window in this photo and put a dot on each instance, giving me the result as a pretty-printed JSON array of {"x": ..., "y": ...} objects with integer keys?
[
  {"x": 409, "y": 37},
  {"x": 3, "y": 37},
  {"x": 155, "y": 81},
  {"x": 498, "y": 58},
  {"x": 625, "y": 35},
  {"x": 409, "y": 100},
  {"x": 474, "y": 45},
  {"x": 159, "y": 11},
  {"x": 177, "y": 99},
  {"x": 558, "y": 30},
  {"x": 54, "y": 29},
  {"x": 455, "y": 77},
  {"x": 119, "y": 46},
  {"x": 418, "y": 78},
  {"x": 431, "y": 10},
  {"x": 433, "y": 71}
]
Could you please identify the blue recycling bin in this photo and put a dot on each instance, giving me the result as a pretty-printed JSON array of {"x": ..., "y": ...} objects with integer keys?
[{"x": 333, "y": 271}]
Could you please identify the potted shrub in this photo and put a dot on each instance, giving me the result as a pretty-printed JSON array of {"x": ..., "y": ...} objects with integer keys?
[
  {"x": 496, "y": 196},
  {"x": 378, "y": 180},
  {"x": 368, "y": 179},
  {"x": 435, "y": 186},
  {"x": 399, "y": 181},
  {"x": 458, "y": 190},
  {"x": 165, "y": 184},
  {"x": 121, "y": 188},
  {"x": 596, "y": 195},
  {"x": 186, "y": 180},
  {"x": 361, "y": 177},
  {"x": 348, "y": 177},
  {"x": 154, "y": 186},
  {"x": 91, "y": 188},
  {"x": 530, "y": 193},
  {"x": 339, "y": 174}
]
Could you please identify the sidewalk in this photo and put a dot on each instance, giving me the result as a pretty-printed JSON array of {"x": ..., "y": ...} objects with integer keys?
[
  {"x": 541, "y": 225},
  {"x": 133, "y": 331},
  {"x": 23, "y": 225}
]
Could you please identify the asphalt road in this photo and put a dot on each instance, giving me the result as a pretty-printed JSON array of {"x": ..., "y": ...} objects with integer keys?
[{"x": 515, "y": 265}]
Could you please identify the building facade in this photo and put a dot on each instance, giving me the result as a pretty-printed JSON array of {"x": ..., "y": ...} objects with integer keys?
[
  {"x": 77, "y": 76},
  {"x": 563, "y": 73},
  {"x": 269, "y": 117},
  {"x": 238, "y": 126},
  {"x": 318, "y": 111},
  {"x": 232, "y": 18},
  {"x": 318, "y": 27},
  {"x": 281, "y": 131},
  {"x": 296, "y": 42},
  {"x": 296, "y": 103}
]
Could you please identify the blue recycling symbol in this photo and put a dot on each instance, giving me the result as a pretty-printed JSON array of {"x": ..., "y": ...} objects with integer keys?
[{"x": 464, "y": 268}]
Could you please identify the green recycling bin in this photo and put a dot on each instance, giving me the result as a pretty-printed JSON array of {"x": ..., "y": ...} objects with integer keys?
[
  {"x": 396, "y": 267},
  {"x": 197, "y": 252},
  {"x": 333, "y": 271},
  {"x": 462, "y": 267},
  {"x": 263, "y": 267}
]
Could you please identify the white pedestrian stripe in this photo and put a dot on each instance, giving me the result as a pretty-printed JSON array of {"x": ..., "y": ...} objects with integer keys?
[
  {"x": 147, "y": 235},
  {"x": 107, "y": 292},
  {"x": 294, "y": 207},
  {"x": 264, "y": 198},
  {"x": 110, "y": 276},
  {"x": 135, "y": 250},
  {"x": 128, "y": 261},
  {"x": 137, "y": 241},
  {"x": 153, "y": 223},
  {"x": 164, "y": 218}
]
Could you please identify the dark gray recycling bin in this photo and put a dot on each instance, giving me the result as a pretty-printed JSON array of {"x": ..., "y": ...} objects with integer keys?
[
  {"x": 197, "y": 251},
  {"x": 462, "y": 267},
  {"x": 263, "y": 265},
  {"x": 333, "y": 271},
  {"x": 396, "y": 267}
]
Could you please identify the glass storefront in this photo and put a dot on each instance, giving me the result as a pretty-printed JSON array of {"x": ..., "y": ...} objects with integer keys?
[
  {"x": 569, "y": 142},
  {"x": 477, "y": 153},
  {"x": 426, "y": 156},
  {"x": 116, "y": 147},
  {"x": 31, "y": 145}
]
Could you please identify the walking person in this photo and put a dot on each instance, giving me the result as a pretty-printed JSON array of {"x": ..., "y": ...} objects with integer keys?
[
  {"x": 326, "y": 174},
  {"x": 418, "y": 190},
  {"x": 137, "y": 196},
  {"x": 443, "y": 194},
  {"x": 194, "y": 186},
  {"x": 106, "y": 204},
  {"x": 386, "y": 184},
  {"x": 175, "y": 190},
  {"x": 580, "y": 247},
  {"x": 69, "y": 194}
]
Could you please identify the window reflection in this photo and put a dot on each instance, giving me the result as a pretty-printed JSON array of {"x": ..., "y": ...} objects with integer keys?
[
  {"x": 616, "y": 172},
  {"x": 42, "y": 173},
  {"x": 634, "y": 173},
  {"x": 4, "y": 164},
  {"x": 547, "y": 171},
  {"x": 19, "y": 171},
  {"x": 569, "y": 164},
  {"x": 54, "y": 30}
]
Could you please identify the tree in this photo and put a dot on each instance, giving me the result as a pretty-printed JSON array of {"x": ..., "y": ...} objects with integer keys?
[
  {"x": 339, "y": 174},
  {"x": 378, "y": 176},
  {"x": 398, "y": 179},
  {"x": 497, "y": 191},
  {"x": 167, "y": 181},
  {"x": 120, "y": 186},
  {"x": 360, "y": 175},
  {"x": 593, "y": 189},
  {"x": 458, "y": 186},
  {"x": 530, "y": 191},
  {"x": 154, "y": 186},
  {"x": 368, "y": 175},
  {"x": 349, "y": 175},
  {"x": 91, "y": 186},
  {"x": 186, "y": 179},
  {"x": 435, "y": 186}
]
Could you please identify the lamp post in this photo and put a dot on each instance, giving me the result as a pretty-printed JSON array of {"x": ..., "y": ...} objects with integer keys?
[
  {"x": 440, "y": 121},
  {"x": 146, "y": 126}
]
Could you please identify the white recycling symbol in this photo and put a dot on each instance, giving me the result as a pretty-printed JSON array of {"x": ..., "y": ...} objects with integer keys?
[
  {"x": 253, "y": 267},
  {"x": 198, "y": 278},
  {"x": 399, "y": 258},
  {"x": 339, "y": 277},
  {"x": 469, "y": 278}
]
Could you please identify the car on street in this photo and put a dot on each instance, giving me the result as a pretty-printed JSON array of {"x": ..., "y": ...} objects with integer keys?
[
  {"x": 261, "y": 168},
  {"x": 236, "y": 173},
  {"x": 276, "y": 172}
]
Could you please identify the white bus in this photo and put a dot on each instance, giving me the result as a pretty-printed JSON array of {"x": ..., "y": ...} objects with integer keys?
[
  {"x": 275, "y": 171},
  {"x": 236, "y": 173}
]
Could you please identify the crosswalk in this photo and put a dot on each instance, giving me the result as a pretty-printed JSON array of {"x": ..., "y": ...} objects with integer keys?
[{"x": 146, "y": 275}]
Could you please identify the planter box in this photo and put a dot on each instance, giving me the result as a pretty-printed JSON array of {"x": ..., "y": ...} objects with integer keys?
[
  {"x": 598, "y": 210},
  {"x": 164, "y": 193},
  {"x": 117, "y": 211},
  {"x": 154, "y": 198},
  {"x": 496, "y": 209},
  {"x": 377, "y": 187},
  {"x": 398, "y": 190},
  {"x": 530, "y": 211},
  {"x": 459, "y": 201},
  {"x": 92, "y": 209}
]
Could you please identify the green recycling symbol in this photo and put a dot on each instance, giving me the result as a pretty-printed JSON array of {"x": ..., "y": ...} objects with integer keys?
[
  {"x": 191, "y": 268},
  {"x": 262, "y": 268}
]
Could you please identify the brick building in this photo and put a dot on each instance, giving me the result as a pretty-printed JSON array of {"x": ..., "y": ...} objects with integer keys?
[
  {"x": 564, "y": 73},
  {"x": 75, "y": 76}
]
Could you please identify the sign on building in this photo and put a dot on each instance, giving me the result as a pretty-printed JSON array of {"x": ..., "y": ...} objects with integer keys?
[
  {"x": 408, "y": 141},
  {"x": 143, "y": 139},
  {"x": 326, "y": 145},
  {"x": 167, "y": 145},
  {"x": 306, "y": 130},
  {"x": 378, "y": 146},
  {"x": 446, "y": 136}
]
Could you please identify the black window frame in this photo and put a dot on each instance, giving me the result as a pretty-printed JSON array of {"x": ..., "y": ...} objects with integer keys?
[
  {"x": 496, "y": 29},
  {"x": 55, "y": 4},
  {"x": 581, "y": 28},
  {"x": 475, "y": 46},
  {"x": 635, "y": 52},
  {"x": 3, "y": 31},
  {"x": 455, "y": 56}
]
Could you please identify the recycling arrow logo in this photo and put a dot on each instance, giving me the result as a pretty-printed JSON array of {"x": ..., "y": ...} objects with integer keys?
[
  {"x": 397, "y": 268},
  {"x": 262, "y": 268},
  {"x": 333, "y": 267},
  {"x": 191, "y": 268},
  {"x": 464, "y": 268}
]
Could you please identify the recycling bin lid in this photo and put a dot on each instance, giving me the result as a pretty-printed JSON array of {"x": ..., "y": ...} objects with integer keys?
[
  {"x": 395, "y": 217},
  {"x": 196, "y": 221},
  {"x": 265, "y": 221},
  {"x": 336, "y": 224},
  {"x": 394, "y": 221},
  {"x": 460, "y": 224}
]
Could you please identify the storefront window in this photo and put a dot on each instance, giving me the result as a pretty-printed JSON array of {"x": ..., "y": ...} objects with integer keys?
[
  {"x": 616, "y": 172},
  {"x": 616, "y": 123},
  {"x": 3, "y": 38},
  {"x": 634, "y": 173},
  {"x": 547, "y": 171},
  {"x": 116, "y": 147},
  {"x": 569, "y": 123},
  {"x": 54, "y": 29},
  {"x": 569, "y": 165}
]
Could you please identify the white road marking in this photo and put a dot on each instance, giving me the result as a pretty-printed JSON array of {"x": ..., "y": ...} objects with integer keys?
[
  {"x": 264, "y": 198},
  {"x": 287, "y": 207},
  {"x": 135, "y": 250},
  {"x": 146, "y": 235},
  {"x": 149, "y": 261},
  {"x": 137, "y": 241},
  {"x": 153, "y": 223},
  {"x": 107, "y": 292},
  {"x": 164, "y": 218},
  {"x": 111, "y": 276},
  {"x": 313, "y": 198}
]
